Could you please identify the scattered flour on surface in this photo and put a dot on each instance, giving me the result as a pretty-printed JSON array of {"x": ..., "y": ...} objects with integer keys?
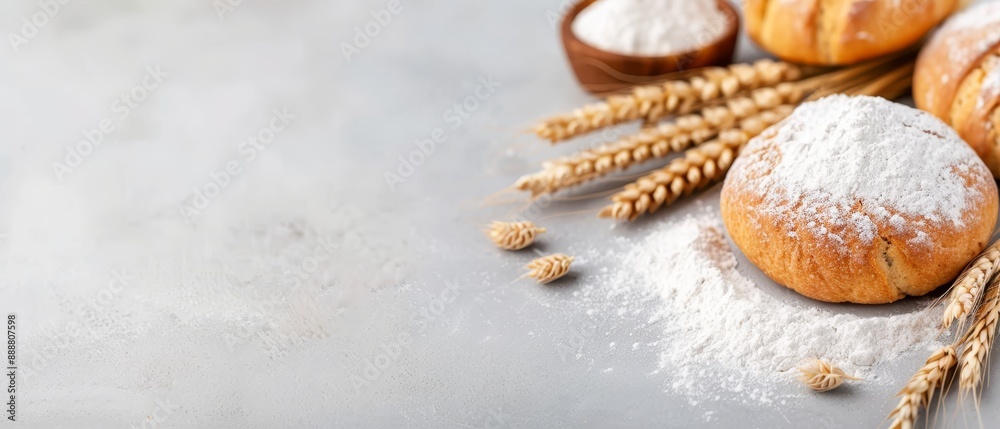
[
  {"x": 720, "y": 328},
  {"x": 650, "y": 27}
]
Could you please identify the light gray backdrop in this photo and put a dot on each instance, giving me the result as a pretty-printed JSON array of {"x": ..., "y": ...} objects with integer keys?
[{"x": 175, "y": 274}]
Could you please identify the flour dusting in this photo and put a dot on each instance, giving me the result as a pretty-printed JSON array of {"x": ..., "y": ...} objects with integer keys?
[
  {"x": 848, "y": 165},
  {"x": 981, "y": 20},
  {"x": 719, "y": 325},
  {"x": 990, "y": 89}
]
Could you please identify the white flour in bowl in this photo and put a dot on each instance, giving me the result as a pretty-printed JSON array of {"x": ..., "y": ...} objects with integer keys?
[
  {"x": 650, "y": 27},
  {"x": 722, "y": 328}
]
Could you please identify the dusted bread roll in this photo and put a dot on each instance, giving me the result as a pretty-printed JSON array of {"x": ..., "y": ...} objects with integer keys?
[
  {"x": 859, "y": 199},
  {"x": 958, "y": 79},
  {"x": 840, "y": 31}
]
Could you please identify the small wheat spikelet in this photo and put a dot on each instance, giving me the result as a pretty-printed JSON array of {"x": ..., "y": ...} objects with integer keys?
[
  {"x": 822, "y": 376},
  {"x": 968, "y": 287},
  {"x": 978, "y": 340},
  {"x": 513, "y": 235},
  {"x": 549, "y": 268},
  {"x": 919, "y": 391}
]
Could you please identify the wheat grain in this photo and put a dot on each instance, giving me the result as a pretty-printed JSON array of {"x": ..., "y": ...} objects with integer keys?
[
  {"x": 656, "y": 142},
  {"x": 513, "y": 235},
  {"x": 549, "y": 268},
  {"x": 701, "y": 166},
  {"x": 968, "y": 287},
  {"x": 976, "y": 345},
  {"x": 822, "y": 376},
  {"x": 919, "y": 391},
  {"x": 653, "y": 102},
  {"x": 978, "y": 339}
]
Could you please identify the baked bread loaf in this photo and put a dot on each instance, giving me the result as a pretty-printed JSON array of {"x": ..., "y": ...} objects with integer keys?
[
  {"x": 859, "y": 199},
  {"x": 957, "y": 78},
  {"x": 829, "y": 32}
]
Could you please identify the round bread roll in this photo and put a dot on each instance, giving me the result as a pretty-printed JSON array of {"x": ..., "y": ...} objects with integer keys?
[
  {"x": 957, "y": 78},
  {"x": 859, "y": 199},
  {"x": 829, "y": 32}
]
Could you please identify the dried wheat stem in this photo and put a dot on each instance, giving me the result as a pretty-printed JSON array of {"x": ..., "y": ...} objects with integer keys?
[
  {"x": 700, "y": 167},
  {"x": 968, "y": 287},
  {"x": 978, "y": 339},
  {"x": 656, "y": 142},
  {"x": 919, "y": 391},
  {"x": 822, "y": 376},
  {"x": 513, "y": 235},
  {"x": 652, "y": 102},
  {"x": 549, "y": 268}
]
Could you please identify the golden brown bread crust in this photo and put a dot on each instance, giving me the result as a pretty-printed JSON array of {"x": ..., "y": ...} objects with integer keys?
[
  {"x": 879, "y": 273},
  {"x": 949, "y": 79},
  {"x": 882, "y": 270},
  {"x": 835, "y": 32}
]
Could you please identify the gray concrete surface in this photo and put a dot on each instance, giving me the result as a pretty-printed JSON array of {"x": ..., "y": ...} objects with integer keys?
[{"x": 415, "y": 322}]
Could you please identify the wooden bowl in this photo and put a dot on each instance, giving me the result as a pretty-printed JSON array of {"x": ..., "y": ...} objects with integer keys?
[{"x": 600, "y": 71}]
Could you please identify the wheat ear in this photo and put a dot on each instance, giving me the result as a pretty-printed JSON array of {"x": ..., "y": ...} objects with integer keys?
[
  {"x": 822, "y": 376},
  {"x": 700, "y": 167},
  {"x": 978, "y": 340},
  {"x": 968, "y": 287},
  {"x": 919, "y": 391},
  {"x": 549, "y": 268},
  {"x": 652, "y": 102},
  {"x": 656, "y": 142},
  {"x": 513, "y": 235}
]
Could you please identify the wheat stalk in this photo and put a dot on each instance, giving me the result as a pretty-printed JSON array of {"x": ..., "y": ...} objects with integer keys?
[
  {"x": 976, "y": 343},
  {"x": 822, "y": 376},
  {"x": 513, "y": 235},
  {"x": 700, "y": 167},
  {"x": 652, "y": 102},
  {"x": 549, "y": 268},
  {"x": 919, "y": 391},
  {"x": 968, "y": 287},
  {"x": 656, "y": 142},
  {"x": 978, "y": 339}
]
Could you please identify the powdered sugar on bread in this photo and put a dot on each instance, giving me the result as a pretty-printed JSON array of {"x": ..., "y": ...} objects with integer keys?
[{"x": 846, "y": 167}]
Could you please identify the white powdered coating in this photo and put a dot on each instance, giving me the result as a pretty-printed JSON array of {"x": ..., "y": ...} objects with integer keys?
[
  {"x": 991, "y": 83},
  {"x": 720, "y": 325},
  {"x": 990, "y": 88},
  {"x": 981, "y": 17},
  {"x": 902, "y": 166},
  {"x": 650, "y": 27}
]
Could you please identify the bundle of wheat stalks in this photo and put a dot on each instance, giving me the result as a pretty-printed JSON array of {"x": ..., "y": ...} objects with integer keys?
[
  {"x": 973, "y": 307},
  {"x": 706, "y": 116}
]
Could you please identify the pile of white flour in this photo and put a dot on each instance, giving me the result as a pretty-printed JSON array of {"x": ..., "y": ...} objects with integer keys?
[
  {"x": 650, "y": 27},
  {"x": 718, "y": 323}
]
